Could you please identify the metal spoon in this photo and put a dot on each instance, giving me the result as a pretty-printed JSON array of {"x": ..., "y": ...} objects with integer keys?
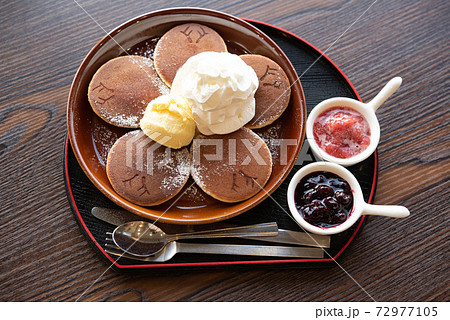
[{"x": 144, "y": 239}]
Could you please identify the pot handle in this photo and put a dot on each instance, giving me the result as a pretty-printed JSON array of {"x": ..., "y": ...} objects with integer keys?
[
  {"x": 385, "y": 210},
  {"x": 385, "y": 93}
]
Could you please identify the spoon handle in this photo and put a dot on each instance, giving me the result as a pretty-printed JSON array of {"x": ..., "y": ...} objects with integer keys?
[
  {"x": 385, "y": 93},
  {"x": 262, "y": 229}
]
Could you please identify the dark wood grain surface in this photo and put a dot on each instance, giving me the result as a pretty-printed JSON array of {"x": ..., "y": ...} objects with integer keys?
[{"x": 45, "y": 257}]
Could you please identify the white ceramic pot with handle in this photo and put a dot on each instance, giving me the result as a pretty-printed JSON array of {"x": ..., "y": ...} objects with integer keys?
[
  {"x": 360, "y": 207},
  {"x": 367, "y": 110}
]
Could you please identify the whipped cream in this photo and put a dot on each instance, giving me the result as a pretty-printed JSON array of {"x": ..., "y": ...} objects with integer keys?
[{"x": 220, "y": 89}]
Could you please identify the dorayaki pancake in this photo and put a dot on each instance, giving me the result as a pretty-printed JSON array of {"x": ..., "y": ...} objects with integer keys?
[
  {"x": 145, "y": 172},
  {"x": 121, "y": 89},
  {"x": 274, "y": 91},
  {"x": 182, "y": 42},
  {"x": 231, "y": 167}
]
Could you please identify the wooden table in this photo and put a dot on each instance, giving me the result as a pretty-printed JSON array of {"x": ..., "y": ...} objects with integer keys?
[{"x": 45, "y": 257}]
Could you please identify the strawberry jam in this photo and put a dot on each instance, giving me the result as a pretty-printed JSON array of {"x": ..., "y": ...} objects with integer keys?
[
  {"x": 323, "y": 199},
  {"x": 341, "y": 132}
]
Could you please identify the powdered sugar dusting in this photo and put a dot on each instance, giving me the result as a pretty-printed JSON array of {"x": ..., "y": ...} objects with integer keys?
[
  {"x": 271, "y": 136},
  {"x": 199, "y": 176},
  {"x": 145, "y": 48},
  {"x": 123, "y": 120},
  {"x": 162, "y": 87},
  {"x": 176, "y": 166},
  {"x": 145, "y": 64},
  {"x": 193, "y": 194},
  {"x": 172, "y": 182},
  {"x": 103, "y": 139}
]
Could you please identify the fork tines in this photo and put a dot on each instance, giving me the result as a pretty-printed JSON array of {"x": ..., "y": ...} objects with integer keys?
[{"x": 109, "y": 243}]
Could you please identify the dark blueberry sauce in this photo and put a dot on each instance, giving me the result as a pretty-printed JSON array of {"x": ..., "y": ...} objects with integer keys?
[{"x": 324, "y": 199}]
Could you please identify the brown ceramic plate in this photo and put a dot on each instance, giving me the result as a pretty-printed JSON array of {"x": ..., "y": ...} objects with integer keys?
[{"x": 91, "y": 137}]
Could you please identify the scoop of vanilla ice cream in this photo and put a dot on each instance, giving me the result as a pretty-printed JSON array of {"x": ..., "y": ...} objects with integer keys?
[
  {"x": 220, "y": 88},
  {"x": 168, "y": 120}
]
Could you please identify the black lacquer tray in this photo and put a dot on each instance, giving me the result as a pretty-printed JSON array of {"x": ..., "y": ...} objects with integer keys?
[{"x": 321, "y": 79}]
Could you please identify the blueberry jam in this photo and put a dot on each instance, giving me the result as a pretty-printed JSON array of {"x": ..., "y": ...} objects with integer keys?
[{"x": 323, "y": 199}]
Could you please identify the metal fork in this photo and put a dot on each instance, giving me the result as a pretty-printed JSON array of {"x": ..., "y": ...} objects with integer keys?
[{"x": 174, "y": 247}]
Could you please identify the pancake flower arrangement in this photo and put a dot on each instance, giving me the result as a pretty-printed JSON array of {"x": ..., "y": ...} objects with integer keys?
[{"x": 193, "y": 107}]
